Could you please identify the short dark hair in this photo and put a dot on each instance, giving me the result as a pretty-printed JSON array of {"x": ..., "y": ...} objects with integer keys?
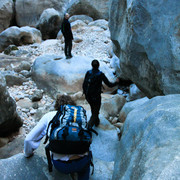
[
  {"x": 62, "y": 100},
  {"x": 95, "y": 64}
]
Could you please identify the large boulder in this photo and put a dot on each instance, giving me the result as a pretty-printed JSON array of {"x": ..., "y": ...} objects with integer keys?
[
  {"x": 6, "y": 14},
  {"x": 129, "y": 106},
  {"x": 55, "y": 74},
  {"x": 19, "y": 36},
  {"x": 146, "y": 40},
  {"x": 84, "y": 18},
  {"x": 9, "y": 119},
  {"x": 149, "y": 147},
  {"x": 93, "y": 8},
  {"x": 49, "y": 23},
  {"x": 112, "y": 106},
  {"x": 28, "y": 12}
]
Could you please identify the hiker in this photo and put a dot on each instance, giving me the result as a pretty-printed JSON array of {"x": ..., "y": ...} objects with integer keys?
[
  {"x": 68, "y": 36},
  {"x": 73, "y": 164},
  {"x": 92, "y": 88}
]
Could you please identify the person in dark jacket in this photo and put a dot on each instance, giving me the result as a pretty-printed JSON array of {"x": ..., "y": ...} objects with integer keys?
[
  {"x": 92, "y": 88},
  {"x": 68, "y": 36}
]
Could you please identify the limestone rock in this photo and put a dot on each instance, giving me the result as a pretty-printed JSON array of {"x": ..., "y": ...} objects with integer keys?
[
  {"x": 129, "y": 106},
  {"x": 19, "y": 36},
  {"x": 9, "y": 119},
  {"x": 28, "y": 12},
  {"x": 135, "y": 93},
  {"x": 78, "y": 23},
  {"x": 149, "y": 147},
  {"x": 6, "y": 14},
  {"x": 55, "y": 74},
  {"x": 13, "y": 78},
  {"x": 102, "y": 23},
  {"x": 83, "y": 18},
  {"x": 37, "y": 96},
  {"x": 146, "y": 41},
  {"x": 10, "y": 48},
  {"x": 23, "y": 66},
  {"x": 49, "y": 23},
  {"x": 112, "y": 106},
  {"x": 92, "y": 8}
]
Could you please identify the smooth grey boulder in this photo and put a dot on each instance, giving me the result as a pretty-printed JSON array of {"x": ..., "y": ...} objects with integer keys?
[
  {"x": 28, "y": 12},
  {"x": 149, "y": 147},
  {"x": 112, "y": 106},
  {"x": 6, "y": 61},
  {"x": 84, "y": 18},
  {"x": 13, "y": 78},
  {"x": 146, "y": 40},
  {"x": 19, "y": 36},
  {"x": 129, "y": 106},
  {"x": 93, "y": 8},
  {"x": 21, "y": 168},
  {"x": 135, "y": 93},
  {"x": 6, "y": 14},
  {"x": 37, "y": 96},
  {"x": 55, "y": 74},
  {"x": 49, "y": 23},
  {"x": 102, "y": 23},
  {"x": 77, "y": 24},
  {"x": 23, "y": 66},
  {"x": 9, "y": 49},
  {"x": 9, "y": 119}
]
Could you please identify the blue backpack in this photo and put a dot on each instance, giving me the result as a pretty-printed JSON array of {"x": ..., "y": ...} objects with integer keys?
[{"x": 68, "y": 133}]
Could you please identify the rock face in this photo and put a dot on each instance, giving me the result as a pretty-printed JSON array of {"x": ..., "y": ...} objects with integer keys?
[
  {"x": 19, "y": 36},
  {"x": 9, "y": 119},
  {"x": 149, "y": 147},
  {"x": 28, "y": 12},
  {"x": 49, "y": 23},
  {"x": 146, "y": 39},
  {"x": 54, "y": 74},
  {"x": 92, "y": 8},
  {"x": 6, "y": 13}
]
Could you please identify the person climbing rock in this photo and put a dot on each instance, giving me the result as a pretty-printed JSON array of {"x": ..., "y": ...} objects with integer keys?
[
  {"x": 68, "y": 163},
  {"x": 92, "y": 88},
  {"x": 68, "y": 36}
]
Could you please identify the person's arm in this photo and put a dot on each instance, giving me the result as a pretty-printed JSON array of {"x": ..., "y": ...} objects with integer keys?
[
  {"x": 107, "y": 82},
  {"x": 83, "y": 86},
  {"x": 32, "y": 140}
]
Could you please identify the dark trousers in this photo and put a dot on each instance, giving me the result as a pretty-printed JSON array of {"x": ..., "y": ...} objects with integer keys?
[
  {"x": 68, "y": 47},
  {"x": 95, "y": 104},
  {"x": 80, "y": 166}
]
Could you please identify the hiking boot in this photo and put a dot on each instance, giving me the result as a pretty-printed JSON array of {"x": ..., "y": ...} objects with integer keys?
[{"x": 68, "y": 57}]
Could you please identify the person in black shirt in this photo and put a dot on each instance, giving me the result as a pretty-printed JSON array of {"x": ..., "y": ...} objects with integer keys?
[
  {"x": 92, "y": 88},
  {"x": 68, "y": 36}
]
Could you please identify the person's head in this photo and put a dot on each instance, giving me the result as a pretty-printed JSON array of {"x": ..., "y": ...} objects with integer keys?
[
  {"x": 95, "y": 64},
  {"x": 66, "y": 16},
  {"x": 63, "y": 100}
]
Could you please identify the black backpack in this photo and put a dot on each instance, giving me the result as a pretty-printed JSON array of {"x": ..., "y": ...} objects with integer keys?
[
  {"x": 68, "y": 133},
  {"x": 92, "y": 84}
]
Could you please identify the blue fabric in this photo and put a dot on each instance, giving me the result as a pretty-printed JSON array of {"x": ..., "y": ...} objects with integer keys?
[{"x": 80, "y": 166}]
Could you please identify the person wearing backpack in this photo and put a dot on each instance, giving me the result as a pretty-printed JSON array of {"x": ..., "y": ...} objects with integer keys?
[
  {"x": 92, "y": 88},
  {"x": 68, "y": 163},
  {"x": 68, "y": 36}
]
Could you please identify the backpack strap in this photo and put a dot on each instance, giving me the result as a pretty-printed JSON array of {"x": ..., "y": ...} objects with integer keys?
[
  {"x": 58, "y": 114},
  {"x": 48, "y": 158},
  {"x": 91, "y": 163}
]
